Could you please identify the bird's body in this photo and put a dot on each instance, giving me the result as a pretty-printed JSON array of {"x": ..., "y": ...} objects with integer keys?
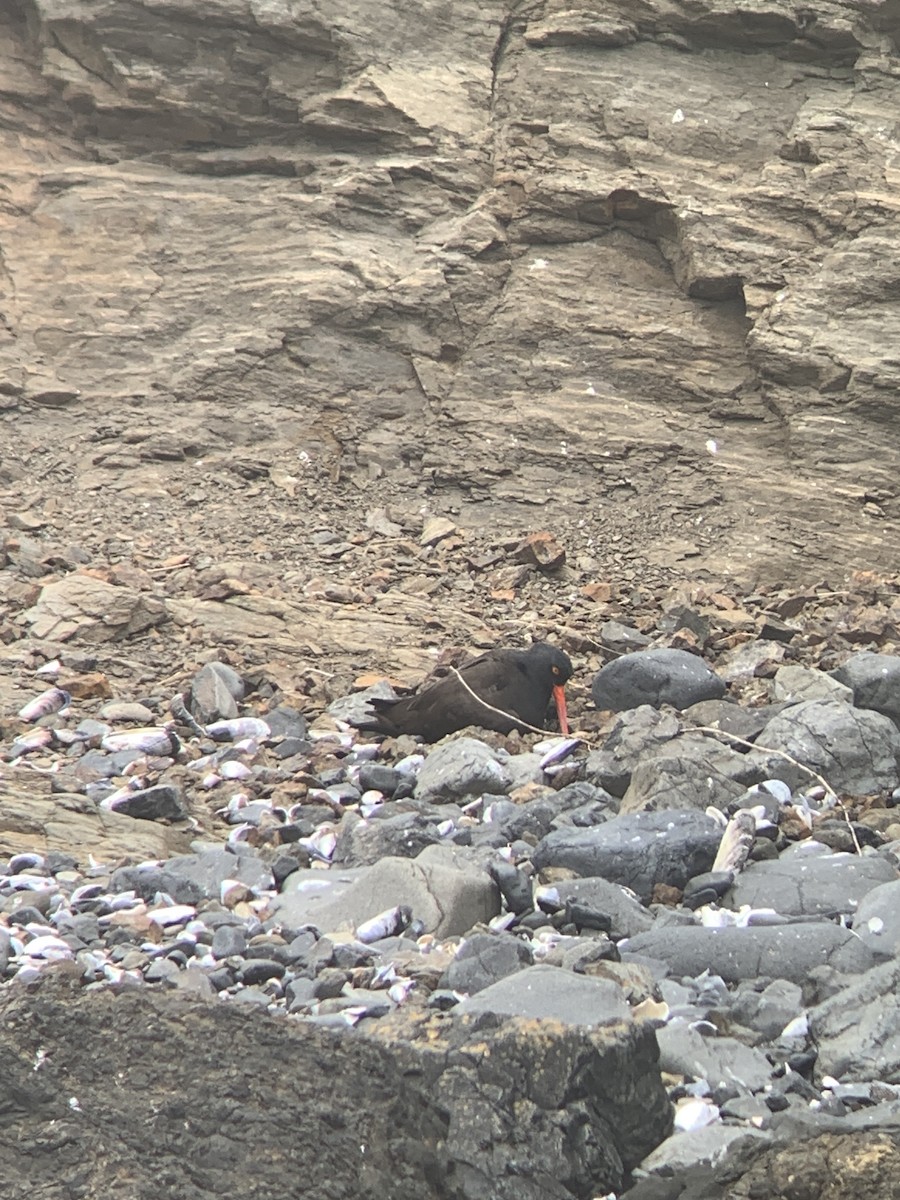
[{"x": 515, "y": 682}]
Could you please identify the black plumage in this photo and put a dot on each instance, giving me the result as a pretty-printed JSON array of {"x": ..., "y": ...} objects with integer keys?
[{"x": 518, "y": 682}]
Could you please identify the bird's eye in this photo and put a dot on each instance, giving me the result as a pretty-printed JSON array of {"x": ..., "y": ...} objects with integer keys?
[{"x": 555, "y": 670}]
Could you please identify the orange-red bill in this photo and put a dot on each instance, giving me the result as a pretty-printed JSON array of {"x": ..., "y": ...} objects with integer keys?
[{"x": 559, "y": 696}]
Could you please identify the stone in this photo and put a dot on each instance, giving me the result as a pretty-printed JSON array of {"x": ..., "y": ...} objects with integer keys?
[
  {"x": 856, "y": 750},
  {"x": 425, "y": 1107},
  {"x": 683, "y": 1050},
  {"x": 448, "y": 900},
  {"x": 855, "y": 1030},
  {"x": 770, "y": 1010},
  {"x": 637, "y": 850},
  {"x": 95, "y": 611},
  {"x": 551, "y": 993},
  {"x": 364, "y": 841},
  {"x": 483, "y": 959},
  {"x": 877, "y": 919},
  {"x": 215, "y": 692},
  {"x": 793, "y": 682},
  {"x": 823, "y": 885},
  {"x": 461, "y": 768},
  {"x": 874, "y": 680},
  {"x": 689, "y": 772},
  {"x": 190, "y": 878},
  {"x": 636, "y": 734},
  {"x": 779, "y": 952},
  {"x": 655, "y": 677},
  {"x": 627, "y": 916},
  {"x": 160, "y": 803}
]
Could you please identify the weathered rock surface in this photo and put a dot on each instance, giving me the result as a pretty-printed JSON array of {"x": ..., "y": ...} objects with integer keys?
[
  {"x": 423, "y": 210},
  {"x": 574, "y": 1111}
]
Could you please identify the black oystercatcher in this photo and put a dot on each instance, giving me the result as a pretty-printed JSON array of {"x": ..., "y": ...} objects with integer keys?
[{"x": 517, "y": 682}]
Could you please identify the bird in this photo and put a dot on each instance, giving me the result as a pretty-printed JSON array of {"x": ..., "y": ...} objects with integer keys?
[{"x": 518, "y": 683}]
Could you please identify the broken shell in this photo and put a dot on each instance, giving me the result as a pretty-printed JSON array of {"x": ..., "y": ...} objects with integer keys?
[
  {"x": 554, "y": 750},
  {"x": 23, "y": 862},
  {"x": 51, "y": 701},
  {"x": 389, "y": 923},
  {"x": 157, "y": 741},
  {"x": 234, "y": 770},
  {"x": 692, "y": 1114},
  {"x": 238, "y": 727},
  {"x": 29, "y": 742},
  {"x": 172, "y": 914},
  {"x": 49, "y": 670},
  {"x": 48, "y": 946}
]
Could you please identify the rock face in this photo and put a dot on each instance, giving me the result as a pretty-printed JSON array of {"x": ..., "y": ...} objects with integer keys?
[
  {"x": 662, "y": 235},
  {"x": 587, "y": 1105}
]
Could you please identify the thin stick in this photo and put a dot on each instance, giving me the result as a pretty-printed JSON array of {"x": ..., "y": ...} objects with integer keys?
[
  {"x": 820, "y": 779},
  {"x": 499, "y": 711}
]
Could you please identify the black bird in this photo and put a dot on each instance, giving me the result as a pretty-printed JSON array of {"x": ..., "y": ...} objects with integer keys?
[{"x": 518, "y": 682}]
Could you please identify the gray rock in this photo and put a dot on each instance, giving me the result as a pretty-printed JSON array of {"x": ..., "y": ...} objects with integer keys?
[
  {"x": 523, "y": 768},
  {"x": 551, "y": 993},
  {"x": 160, "y": 803},
  {"x": 215, "y": 692},
  {"x": 363, "y": 841},
  {"x": 375, "y": 776},
  {"x": 770, "y": 1010},
  {"x": 119, "y": 710},
  {"x": 795, "y": 683},
  {"x": 744, "y": 723},
  {"x": 626, "y": 913},
  {"x": 689, "y": 772},
  {"x": 877, "y": 919},
  {"x": 189, "y": 878},
  {"x": 655, "y": 677},
  {"x": 821, "y": 885},
  {"x": 635, "y": 734},
  {"x": 720, "y": 1060},
  {"x": 638, "y": 850},
  {"x": 448, "y": 900},
  {"x": 684, "y": 1152},
  {"x": 750, "y": 659},
  {"x": 855, "y": 750},
  {"x": 622, "y": 639},
  {"x": 228, "y": 940},
  {"x": 855, "y": 1031},
  {"x": 355, "y": 709},
  {"x": 286, "y": 722},
  {"x": 484, "y": 959},
  {"x": 464, "y": 767},
  {"x": 874, "y": 680},
  {"x": 778, "y": 952}
]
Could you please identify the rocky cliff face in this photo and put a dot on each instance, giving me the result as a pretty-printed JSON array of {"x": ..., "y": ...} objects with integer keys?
[{"x": 633, "y": 263}]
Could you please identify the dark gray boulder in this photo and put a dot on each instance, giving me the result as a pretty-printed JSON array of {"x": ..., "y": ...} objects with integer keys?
[
  {"x": 855, "y": 750},
  {"x": 638, "y": 850},
  {"x": 655, "y": 677},
  {"x": 874, "y": 680}
]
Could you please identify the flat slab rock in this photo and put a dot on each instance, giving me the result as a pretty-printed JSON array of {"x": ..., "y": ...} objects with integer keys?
[
  {"x": 638, "y": 850},
  {"x": 440, "y": 1107},
  {"x": 797, "y": 885},
  {"x": 552, "y": 993},
  {"x": 778, "y": 952}
]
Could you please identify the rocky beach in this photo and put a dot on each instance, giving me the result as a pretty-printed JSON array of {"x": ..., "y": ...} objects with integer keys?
[{"x": 340, "y": 349}]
